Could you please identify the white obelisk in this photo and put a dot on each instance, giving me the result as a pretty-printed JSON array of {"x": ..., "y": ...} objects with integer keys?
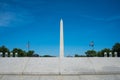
[{"x": 61, "y": 40}]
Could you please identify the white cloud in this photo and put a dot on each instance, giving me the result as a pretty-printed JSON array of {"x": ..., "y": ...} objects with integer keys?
[
  {"x": 12, "y": 16},
  {"x": 9, "y": 18},
  {"x": 5, "y": 15},
  {"x": 5, "y": 19},
  {"x": 113, "y": 18},
  {"x": 102, "y": 18}
]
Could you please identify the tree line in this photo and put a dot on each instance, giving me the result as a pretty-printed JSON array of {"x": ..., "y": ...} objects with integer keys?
[
  {"x": 93, "y": 53},
  {"x": 21, "y": 53},
  {"x": 88, "y": 53}
]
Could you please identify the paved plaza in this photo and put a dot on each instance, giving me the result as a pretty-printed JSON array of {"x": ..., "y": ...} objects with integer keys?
[{"x": 60, "y": 68}]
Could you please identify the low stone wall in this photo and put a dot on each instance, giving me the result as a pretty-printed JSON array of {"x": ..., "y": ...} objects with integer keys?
[{"x": 60, "y": 66}]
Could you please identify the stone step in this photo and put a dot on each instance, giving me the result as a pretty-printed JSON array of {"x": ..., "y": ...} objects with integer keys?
[{"x": 59, "y": 77}]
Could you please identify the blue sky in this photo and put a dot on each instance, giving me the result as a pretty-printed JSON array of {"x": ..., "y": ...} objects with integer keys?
[{"x": 37, "y": 21}]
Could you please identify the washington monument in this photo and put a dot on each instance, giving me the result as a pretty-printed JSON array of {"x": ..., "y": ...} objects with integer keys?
[{"x": 61, "y": 39}]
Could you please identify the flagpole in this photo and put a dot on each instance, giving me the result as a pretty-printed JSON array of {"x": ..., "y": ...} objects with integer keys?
[
  {"x": 28, "y": 46},
  {"x": 92, "y": 45}
]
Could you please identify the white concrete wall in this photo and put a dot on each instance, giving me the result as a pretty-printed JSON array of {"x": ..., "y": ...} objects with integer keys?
[{"x": 57, "y": 66}]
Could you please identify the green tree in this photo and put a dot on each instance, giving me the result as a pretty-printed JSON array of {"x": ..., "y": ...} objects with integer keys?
[
  {"x": 4, "y": 49},
  {"x": 47, "y": 56},
  {"x": 116, "y": 48},
  {"x": 76, "y": 55},
  {"x": 36, "y": 55},
  {"x": 20, "y": 52},
  {"x": 101, "y": 53},
  {"x": 91, "y": 53},
  {"x": 30, "y": 53}
]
